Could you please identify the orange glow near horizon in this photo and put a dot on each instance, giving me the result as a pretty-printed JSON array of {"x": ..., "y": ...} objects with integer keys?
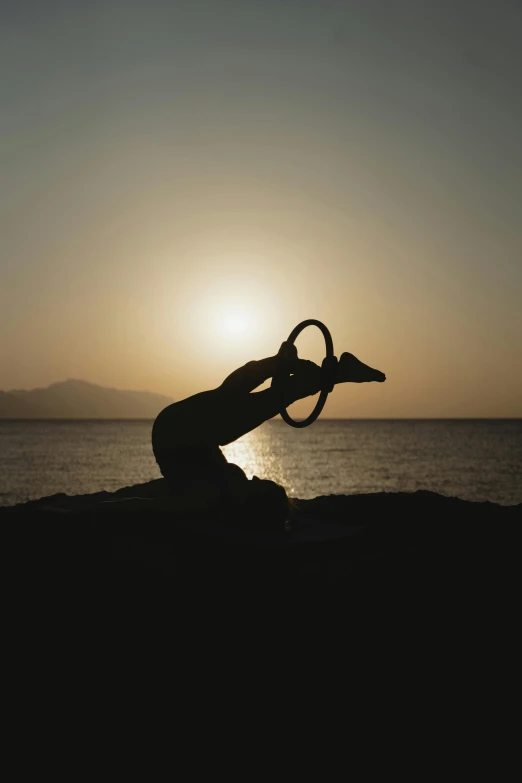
[{"x": 185, "y": 182}]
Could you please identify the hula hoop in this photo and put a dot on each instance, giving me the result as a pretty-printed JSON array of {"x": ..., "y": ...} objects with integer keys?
[{"x": 279, "y": 380}]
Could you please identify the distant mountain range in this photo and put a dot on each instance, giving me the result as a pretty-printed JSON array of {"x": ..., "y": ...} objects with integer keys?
[{"x": 80, "y": 400}]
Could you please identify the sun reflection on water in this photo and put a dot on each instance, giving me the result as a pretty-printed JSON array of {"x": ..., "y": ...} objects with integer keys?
[
  {"x": 468, "y": 459},
  {"x": 256, "y": 453}
]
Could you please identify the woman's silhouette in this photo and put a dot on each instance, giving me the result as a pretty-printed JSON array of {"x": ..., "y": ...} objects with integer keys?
[{"x": 187, "y": 435}]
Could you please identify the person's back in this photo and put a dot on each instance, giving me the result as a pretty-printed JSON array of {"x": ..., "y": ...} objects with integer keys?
[{"x": 182, "y": 438}]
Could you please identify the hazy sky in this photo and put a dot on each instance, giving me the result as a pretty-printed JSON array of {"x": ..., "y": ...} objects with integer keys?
[{"x": 168, "y": 166}]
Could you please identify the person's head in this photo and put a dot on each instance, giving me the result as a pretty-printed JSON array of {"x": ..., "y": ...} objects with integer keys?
[
  {"x": 258, "y": 503},
  {"x": 267, "y": 504}
]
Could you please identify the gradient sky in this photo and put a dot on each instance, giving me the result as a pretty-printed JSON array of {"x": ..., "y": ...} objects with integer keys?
[{"x": 167, "y": 165}]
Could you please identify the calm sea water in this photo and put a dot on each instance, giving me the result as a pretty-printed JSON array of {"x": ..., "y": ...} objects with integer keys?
[{"x": 476, "y": 460}]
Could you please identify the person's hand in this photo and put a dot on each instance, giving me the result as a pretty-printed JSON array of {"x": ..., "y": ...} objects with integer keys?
[
  {"x": 307, "y": 379},
  {"x": 287, "y": 357}
]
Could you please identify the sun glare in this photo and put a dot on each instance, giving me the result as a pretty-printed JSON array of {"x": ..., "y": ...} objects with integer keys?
[
  {"x": 235, "y": 324},
  {"x": 240, "y": 321}
]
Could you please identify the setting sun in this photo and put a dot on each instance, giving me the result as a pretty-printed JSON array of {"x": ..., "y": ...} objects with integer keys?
[{"x": 235, "y": 324}]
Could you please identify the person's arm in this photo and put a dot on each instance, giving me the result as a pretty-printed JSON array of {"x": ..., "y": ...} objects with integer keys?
[{"x": 247, "y": 378}]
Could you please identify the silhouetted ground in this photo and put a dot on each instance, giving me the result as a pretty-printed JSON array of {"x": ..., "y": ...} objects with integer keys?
[
  {"x": 406, "y": 603},
  {"x": 373, "y": 555}
]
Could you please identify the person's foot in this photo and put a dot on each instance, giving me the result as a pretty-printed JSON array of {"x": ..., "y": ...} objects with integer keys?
[{"x": 351, "y": 370}]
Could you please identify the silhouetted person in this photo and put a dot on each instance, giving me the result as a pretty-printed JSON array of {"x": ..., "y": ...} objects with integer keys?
[{"x": 187, "y": 435}]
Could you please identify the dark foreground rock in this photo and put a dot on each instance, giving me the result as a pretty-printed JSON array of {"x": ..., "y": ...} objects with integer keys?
[
  {"x": 351, "y": 550},
  {"x": 413, "y": 593}
]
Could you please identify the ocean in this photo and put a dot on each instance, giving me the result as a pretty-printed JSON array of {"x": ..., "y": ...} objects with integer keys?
[{"x": 470, "y": 459}]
